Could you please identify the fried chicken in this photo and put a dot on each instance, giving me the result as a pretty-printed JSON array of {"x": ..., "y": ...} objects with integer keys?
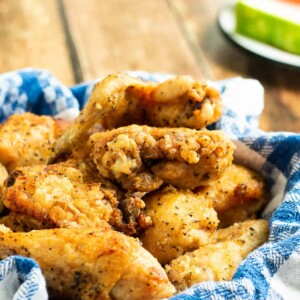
[
  {"x": 27, "y": 139},
  {"x": 60, "y": 195},
  {"x": 57, "y": 195},
  {"x": 142, "y": 158},
  {"x": 237, "y": 195},
  {"x": 177, "y": 102},
  {"x": 220, "y": 258},
  {"x": 181, "y": 222},
  {"x": 120, "y": 100},
  {"x": 168, "y": 185},
  {"x": 93, "y": 263}
]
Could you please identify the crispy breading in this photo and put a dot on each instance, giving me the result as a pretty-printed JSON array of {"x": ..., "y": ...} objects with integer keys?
[
  {"x": 181, "y": 222},
  {"x": 93, "y": 263},
  {"x": 68, "y": 194},
  {"x": 22, "y": 223},
  {"x": 220, "y": 258},
  {"x": 141, "y": 158},
  {"x": 120, "y": 100},
  {"x": 237, "y": 195},
  {"x": 184, "y": 102},
  {"x": 56, "y": 194},
  {"x": 27, "y": 139},
  {"x": 180, "y": 101}
]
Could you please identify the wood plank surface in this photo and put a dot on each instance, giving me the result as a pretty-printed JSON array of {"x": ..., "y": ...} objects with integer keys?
[
  {"x": 119, "y": 35},
  {"x": 282, "y": 85},
  {"x": 199, "y": 19},
  {"x": 32, "y": 35},
  {"x": 83, "y": 40}
]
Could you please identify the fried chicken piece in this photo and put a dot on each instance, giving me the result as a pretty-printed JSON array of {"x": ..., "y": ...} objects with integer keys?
[
  {"x": 68, "y": 195},
  {"x": 141, "y": 158},
  {"x": 184, "y": 102},
  {"x": 237, "y": 195},
  {"x": 220, "y": 259},
  {"x": 27, "y": 139},
  {"x": 94, "y": 263},
  {"x": 120, "y": 100},
  {"x": 129, "y": 217},
  {"x": 181, "y": 222},
  {"x": 180, "y": 101},
  {"x": 57, "y": 195},
  {"x": 22, "y": 223}
]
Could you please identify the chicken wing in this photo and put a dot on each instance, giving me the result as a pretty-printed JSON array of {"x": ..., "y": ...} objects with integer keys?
[
  {"x": 181, "y": 222},
  {"x": 219, "y": 259},
  {"x": 28, "y": 139},
  {"x": 141, "y": 158},
  {"x": 120, "y": 100},
  {"x": 237, "y": 195},
  {"x": 94, "y": 263},
  {"x": 178, "y": 102},
  {"x": 57, "y": 195},
  {"x": 63, "y": 196}
]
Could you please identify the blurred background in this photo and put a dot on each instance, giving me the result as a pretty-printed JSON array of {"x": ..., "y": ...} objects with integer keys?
[{"x": 82, "y": 40}]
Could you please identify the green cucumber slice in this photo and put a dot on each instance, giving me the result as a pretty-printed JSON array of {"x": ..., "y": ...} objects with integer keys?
[{"x": 259, "y": 23}]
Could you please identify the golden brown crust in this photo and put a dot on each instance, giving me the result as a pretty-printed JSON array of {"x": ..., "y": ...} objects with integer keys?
[
  {"x": 237, "y": 195},
  {"x": 27, "y": 139},
  {"x": 181, "y": 222},
  {"x": 220, "y": 258},
  {"x": 56, "y": 194},
  {"x": 142, "y": 158},
  {"x": 181, "y": 101},
  {"x": 90, "y": 263}
]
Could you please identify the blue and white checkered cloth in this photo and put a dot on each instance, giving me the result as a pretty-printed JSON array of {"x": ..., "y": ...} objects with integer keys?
[{"x": 270, "y": 272}]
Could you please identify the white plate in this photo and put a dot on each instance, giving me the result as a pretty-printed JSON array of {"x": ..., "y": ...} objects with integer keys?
[{"x": 226, "y": 20}]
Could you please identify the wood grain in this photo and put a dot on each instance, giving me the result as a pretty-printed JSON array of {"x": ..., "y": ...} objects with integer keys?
[
  {"x": 119, "y": 35},
  {"x": 31, "y": 35},
  {"x": 83, "y": 40},
  {"x": 199, "y": 19},
  {"x": 282, "y": 85}
]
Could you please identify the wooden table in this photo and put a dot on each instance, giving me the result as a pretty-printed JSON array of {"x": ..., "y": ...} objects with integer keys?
[{"x": 82, "y": 40}]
